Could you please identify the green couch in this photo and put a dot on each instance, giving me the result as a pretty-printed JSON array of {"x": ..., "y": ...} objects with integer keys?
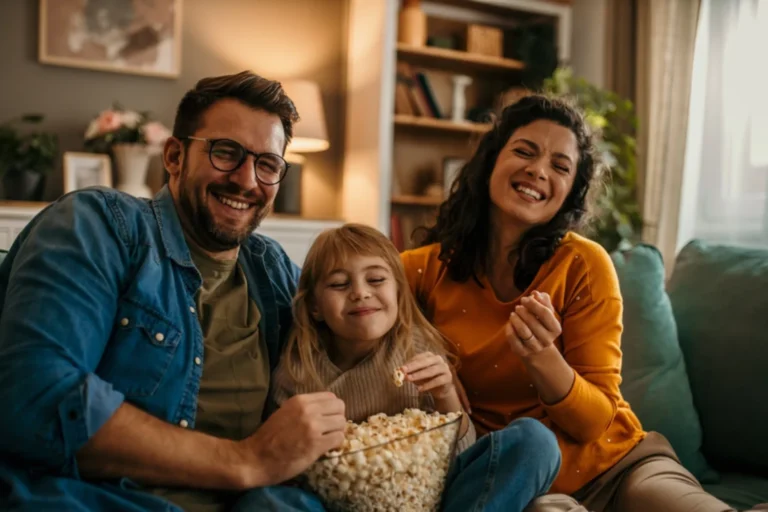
[{"x": 695, "y": 363}]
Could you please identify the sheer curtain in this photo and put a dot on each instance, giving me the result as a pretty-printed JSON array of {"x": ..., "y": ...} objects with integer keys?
[
  {"x": 725, "y": 181},
  {"x": 666, "y": 39}
]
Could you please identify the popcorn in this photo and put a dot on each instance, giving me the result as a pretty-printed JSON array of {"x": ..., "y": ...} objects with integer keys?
[
  {"x": 398, "y": 377},
  {"x": 396, "y": 463}
]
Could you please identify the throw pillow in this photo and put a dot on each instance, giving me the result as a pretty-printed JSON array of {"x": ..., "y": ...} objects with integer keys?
[
  {"x": 655, "y": 382},
  {"x": 720, "y": 297}
]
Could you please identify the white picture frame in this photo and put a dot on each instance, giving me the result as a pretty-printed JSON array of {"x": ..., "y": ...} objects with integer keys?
[{"x": 83, "y": 170}]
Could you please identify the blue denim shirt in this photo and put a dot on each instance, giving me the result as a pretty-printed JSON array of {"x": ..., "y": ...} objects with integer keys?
[{"x": 97, "y": 307}]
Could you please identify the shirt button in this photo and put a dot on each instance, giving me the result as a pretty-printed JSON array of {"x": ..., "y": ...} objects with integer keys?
[
  {"x": 198, "y": 361},
  {"x": 191, "y": 309},
  {"x": 159, "y": 336},
  {"x": 124, "y": 322},
  {"x": 183, "y": 423}
]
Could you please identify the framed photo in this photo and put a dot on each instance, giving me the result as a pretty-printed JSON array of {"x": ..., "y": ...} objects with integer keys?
[
  {"x": 124, "y": 36},
  {"x": 86, "y": 170},
  {"x": 451, "y": 168}
]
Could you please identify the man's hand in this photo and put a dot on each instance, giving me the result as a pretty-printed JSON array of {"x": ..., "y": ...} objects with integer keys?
[{"x": 296, "y": 435}]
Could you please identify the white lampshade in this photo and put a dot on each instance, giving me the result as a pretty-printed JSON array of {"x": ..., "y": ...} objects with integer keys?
[{"x": 309, "y": 134}]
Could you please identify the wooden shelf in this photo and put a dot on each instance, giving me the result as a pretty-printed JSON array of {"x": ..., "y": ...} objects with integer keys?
[
  {"x": 417, "y": 200},
  {"x": 10, "y": 203},
  {"x": 456, "y": 60},
  {"x": 440, "y": 124}
]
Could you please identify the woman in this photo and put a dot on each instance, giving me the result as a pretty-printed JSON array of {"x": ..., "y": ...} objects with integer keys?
[{"x": 534, "y": 312}]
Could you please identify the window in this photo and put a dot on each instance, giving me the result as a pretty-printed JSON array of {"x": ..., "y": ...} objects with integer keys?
[{"x": 725, "y": 187}]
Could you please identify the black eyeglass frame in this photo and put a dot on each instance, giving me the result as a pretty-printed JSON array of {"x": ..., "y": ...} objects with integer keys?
[{"x": 212, "y": 142}]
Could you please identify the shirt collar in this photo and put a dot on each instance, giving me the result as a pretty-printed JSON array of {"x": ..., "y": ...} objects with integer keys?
[{"x": 171, "y": 232}]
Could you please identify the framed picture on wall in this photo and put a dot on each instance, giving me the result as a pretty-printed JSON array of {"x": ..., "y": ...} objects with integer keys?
[
  {"x": 86, "y": 170},
  {"x": 124, "y": 36}
]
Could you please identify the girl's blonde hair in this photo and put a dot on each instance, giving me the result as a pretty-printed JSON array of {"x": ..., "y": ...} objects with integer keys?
[{"x": 331, "y": 248}]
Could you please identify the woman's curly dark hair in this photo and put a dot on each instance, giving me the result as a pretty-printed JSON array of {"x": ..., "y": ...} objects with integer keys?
[{"x": 463, "y": 226}]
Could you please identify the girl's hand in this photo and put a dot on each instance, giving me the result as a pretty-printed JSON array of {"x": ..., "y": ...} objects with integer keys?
[
  {"x": 431, "y": 374},
  {"x": 533, "y": 326}
]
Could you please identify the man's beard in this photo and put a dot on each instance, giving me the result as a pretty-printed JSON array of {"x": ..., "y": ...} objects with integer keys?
[{"x": 208, "y": 233}]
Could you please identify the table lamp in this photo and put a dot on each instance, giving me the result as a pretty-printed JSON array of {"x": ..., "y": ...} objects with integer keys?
[{"x": 309, "y": 136}]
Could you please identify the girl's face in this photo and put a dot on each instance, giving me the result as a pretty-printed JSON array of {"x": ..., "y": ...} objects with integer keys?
[{"x": 357, "y": 300}]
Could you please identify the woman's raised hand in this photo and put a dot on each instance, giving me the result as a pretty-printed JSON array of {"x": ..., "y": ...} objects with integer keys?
[{"x": 533, "y": 326}]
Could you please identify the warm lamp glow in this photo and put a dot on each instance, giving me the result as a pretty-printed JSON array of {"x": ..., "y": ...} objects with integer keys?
[{"x": 309, "y": 134}]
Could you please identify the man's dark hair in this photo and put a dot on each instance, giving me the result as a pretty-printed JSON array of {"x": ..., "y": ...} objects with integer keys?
[{"x": 251, "y": 89}]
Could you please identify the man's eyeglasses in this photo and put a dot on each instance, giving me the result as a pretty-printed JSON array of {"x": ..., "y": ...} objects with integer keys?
[{"x": 227, "y": 155}]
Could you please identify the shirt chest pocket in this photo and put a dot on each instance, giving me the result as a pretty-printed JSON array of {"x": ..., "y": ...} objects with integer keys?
[{"x": 141, "y": 351}]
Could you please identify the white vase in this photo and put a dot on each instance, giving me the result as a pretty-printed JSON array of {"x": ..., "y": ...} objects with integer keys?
[
  {"x": 460, "y": 83},
  {"x": 132, "y": 163}
]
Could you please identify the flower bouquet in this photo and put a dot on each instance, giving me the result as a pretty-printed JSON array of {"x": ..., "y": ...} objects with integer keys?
[
  {"x": 131, "y": 138},
  {"x": 119, "y": 126}
]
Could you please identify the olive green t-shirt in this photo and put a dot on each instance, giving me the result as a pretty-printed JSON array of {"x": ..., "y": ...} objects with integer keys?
[{"x": 235, "y": 380}]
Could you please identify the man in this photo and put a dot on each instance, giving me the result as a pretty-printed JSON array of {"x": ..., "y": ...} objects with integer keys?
[{"x": 137, "y": 337}]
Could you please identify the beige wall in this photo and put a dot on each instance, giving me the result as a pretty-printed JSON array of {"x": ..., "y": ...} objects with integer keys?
[
  {"x": 588, "y": 40},
  {"x": 279, "y": 39}
]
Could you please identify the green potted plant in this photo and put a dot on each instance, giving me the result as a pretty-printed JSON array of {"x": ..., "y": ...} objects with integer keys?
[
  {"x": 25, "y": 158},
  {"x": 619, "y": 222}
]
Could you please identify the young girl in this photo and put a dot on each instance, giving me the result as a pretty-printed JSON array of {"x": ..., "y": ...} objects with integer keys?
[{"x": 356, "y": 323}]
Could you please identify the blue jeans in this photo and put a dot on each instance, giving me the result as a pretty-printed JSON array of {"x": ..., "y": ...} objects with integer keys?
[{"x": 502, "y": 471}]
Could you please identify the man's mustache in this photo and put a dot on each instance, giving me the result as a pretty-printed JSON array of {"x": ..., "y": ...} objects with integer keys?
[{"x": 234, "y": 190}]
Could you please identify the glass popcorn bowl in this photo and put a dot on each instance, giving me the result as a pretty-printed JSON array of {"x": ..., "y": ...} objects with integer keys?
[{"x": 406, "y": 472}]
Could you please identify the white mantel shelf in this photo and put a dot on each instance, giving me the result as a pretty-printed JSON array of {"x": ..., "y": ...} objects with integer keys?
[{"x": 295, "y": 234}]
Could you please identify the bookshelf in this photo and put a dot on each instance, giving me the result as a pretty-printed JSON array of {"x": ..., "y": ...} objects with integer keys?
[
  {"x": 459, "y": 61},
  {"x": 429, "y": 123},
  {"x": 465, "y": 42},
  {"x": 395, "y": 161},
  {"x": 417, "y": 200}
]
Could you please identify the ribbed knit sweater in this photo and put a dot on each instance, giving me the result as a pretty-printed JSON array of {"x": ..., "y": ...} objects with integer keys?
[{"x": 366, "y": 389}]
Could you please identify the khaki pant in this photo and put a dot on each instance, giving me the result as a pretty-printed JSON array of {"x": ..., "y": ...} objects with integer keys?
[{"x": 649, "y": 479}]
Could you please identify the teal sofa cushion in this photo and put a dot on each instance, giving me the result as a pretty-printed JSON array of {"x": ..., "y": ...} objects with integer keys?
[
  {"x": 740, "y": 491},
  {"x": 720, "y": 298},
  {"x": 654, "y": 378}
]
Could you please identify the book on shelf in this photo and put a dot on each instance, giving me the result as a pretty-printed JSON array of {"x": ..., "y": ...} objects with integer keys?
[
  {"x": 429, "y": 94},
  {"x": 396, "y": 232},
  {"x": 422, "y": 99},
  {"x": 408, "y": 225},
  {"x": 403, "y": 103}
]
